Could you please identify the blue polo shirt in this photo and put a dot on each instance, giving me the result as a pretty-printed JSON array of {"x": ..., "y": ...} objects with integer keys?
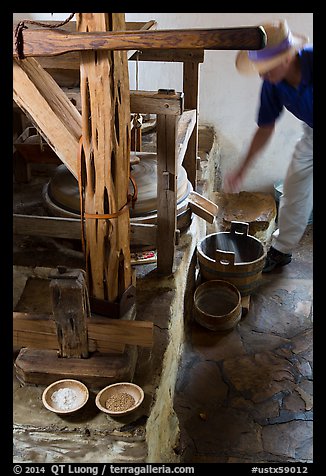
[{"x": 299, "y": 101}]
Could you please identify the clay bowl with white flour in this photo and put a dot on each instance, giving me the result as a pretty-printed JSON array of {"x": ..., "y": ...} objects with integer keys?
[
  {"x": 65, "y": 396},
  {"x": 119, "y": 399}
]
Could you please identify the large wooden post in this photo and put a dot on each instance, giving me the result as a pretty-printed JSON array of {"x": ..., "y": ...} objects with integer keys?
[{"x": 105, "y": 98}]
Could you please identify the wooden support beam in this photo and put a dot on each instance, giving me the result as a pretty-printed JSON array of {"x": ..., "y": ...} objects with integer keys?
[
  {"x": 38, "y": 331},
  {"x": 57, "y": 227},
  {"x": 70, "y": 228},
  {"x": 103, "y": 333},
  {"x": 48, "y": 42},
  {"x": 42, "y": 367},
  {"x": 144, "y": 102},
  {"x": 169, "y": 56},
  {"x": 71, "y": 61},
  {"x": 105, "y": 161},
  {"x": 55, "y": 117},
  {"x": 159, "y": 102},
  {"x": 186, "y": 125},
  {"x": 166, "y": 191},
  {"x": 191, "y": 95},
  {"x": 71, "y": 308}
]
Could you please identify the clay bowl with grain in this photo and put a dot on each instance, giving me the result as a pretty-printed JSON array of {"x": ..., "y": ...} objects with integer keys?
[
  {"x": 119, "y": 399},
  {"x": 65, "y": 396}
]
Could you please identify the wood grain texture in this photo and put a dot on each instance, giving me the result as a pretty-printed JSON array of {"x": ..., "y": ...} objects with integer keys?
[
  {"x": 48, "y": 42},
  {"x": 56, "y": 118},
  {"x": 105, "y": 102},
  {"x": 103, "y": 333}
]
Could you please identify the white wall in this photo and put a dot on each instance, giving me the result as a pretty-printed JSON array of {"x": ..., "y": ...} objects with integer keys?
[{"x": 227, "y": 100}]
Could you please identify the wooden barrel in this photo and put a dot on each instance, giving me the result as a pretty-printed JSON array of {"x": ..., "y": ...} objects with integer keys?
[
  {"x": 232, "y": 256},
  {"x": 217, "y": 305}
]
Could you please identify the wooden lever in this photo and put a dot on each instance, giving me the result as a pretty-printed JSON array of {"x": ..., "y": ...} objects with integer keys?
[{"x": 47, "y": 42}]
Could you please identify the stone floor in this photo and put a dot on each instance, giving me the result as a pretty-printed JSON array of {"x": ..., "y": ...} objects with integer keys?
[{"x": 246, "y": 396}]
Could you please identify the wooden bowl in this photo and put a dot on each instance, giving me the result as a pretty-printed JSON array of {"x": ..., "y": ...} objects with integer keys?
[
  {"x": 65, "y": 396},
  {"x": 119, "y": 399}
]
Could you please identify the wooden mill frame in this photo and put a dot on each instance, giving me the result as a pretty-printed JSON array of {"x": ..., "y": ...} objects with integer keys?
[
  {"x": 108, "y": 276},
  {"x": 186, "y": 46}
]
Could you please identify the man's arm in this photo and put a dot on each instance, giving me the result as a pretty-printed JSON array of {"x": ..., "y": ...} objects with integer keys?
[{"x": 233, "y": 180}]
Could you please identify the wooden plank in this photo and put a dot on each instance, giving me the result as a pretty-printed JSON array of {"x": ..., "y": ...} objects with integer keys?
[
  {"x": 186, "y": 125},
  {"x": 191, "y": 94},
  {"x": 202, "y": 207},
  {"x": 58, "y": 227},
  {"x": 42, "y": 367},
  {"x": 40, "y": 332},
  {"x": 71, "y": 25},
  {"x": 71, "y": 61},
  {"x": 166, "y": 191},
  {"x": 155, "y": 102},
  {"x": 70, "y": 228},
  {"x": 143, "y": 234},
  {"x": 121, "y": 331},
  {"x": 48, "y": 42},
  {"x": 55, "y": 117},
  {"x": 105, "y": 161},
  {"x": 169, "y": 56},
  {"x": 102, "y": 331},
  {"x": 145, "y": 102}
]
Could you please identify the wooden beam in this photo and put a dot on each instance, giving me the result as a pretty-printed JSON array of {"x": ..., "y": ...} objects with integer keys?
[
  {"x": 151, "y": 102},
  {"x": 71, "y": 309},
  {"x": 71, "y": 61},
  {"x": 169, "y": 56},
  {"x": 55, "y": 117},
  {"x": 102, "y": 332},
  {"x": 144, "y": 102},
  {"x": 48, "y": 42},
  {"x": 186, "y": 125},
  {"x": 191, "y": 98},
  {"x": 70, "y": 228},
  {"x": 104, "y": 85},
  {"x": 58, "y": 227},
  {"x": 38, "y": 331},
  {"x": 166, "y": 191},
  {"x": 71, "y": 25}
]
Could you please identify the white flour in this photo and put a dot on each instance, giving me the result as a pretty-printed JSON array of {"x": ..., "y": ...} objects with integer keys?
[{"x": 65, "y": 398}]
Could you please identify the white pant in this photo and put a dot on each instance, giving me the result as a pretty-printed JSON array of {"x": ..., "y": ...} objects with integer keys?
[{"x": 296, "y": 201}]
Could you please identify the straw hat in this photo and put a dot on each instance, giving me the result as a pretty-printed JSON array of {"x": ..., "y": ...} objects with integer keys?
[{"x": 281, "y": 43}]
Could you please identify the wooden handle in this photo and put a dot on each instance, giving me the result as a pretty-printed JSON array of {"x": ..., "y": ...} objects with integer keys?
[
  {"x": 47, "y": 42},
  {"x": 239, "y": 227},
  {"x": 224, "y": 257}
]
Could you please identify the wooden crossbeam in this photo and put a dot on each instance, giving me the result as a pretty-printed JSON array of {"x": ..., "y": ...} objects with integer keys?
[
  {"x": 104, "y": 334},
  {"x": 56, "y": 118},
  {"x": 71, "y": 61},
  {"x": 141, "y": 234},
  {"x": 48, "y": 42}
]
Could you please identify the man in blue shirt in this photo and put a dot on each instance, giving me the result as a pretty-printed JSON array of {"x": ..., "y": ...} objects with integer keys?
[{"x": 286, "y": 68}]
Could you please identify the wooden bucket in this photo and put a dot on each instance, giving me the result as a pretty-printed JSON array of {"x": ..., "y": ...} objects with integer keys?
[
  {"x": 232, "y": 256},
  {"x": 217, "y": 305}
]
